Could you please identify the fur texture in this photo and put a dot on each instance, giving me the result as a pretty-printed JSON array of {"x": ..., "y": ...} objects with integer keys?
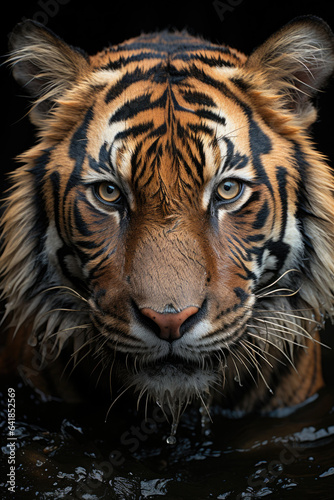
[{"x": 172, "y": 173}]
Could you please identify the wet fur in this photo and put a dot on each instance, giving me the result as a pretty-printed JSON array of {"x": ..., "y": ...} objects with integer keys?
[{"x": 276, "y": 82}]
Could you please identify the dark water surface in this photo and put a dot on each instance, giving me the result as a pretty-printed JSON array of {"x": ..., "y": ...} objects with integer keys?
[{"x": 67, "y": 451}]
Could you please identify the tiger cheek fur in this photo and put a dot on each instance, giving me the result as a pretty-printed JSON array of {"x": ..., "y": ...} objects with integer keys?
[{"x": 175, "y": 219}]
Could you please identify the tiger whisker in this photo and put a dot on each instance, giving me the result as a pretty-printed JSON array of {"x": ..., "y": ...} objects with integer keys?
[
  {"x": 110, "y": 378},
  {"x": 260, "y": 353},
  {"x": 69, "y": 291},
  {"x": 220, "y": 138},
  {"x": 299, "y": 330},
  {"x": 76, "y": 362},
  {"x": 272, "y": 292},
  {"x": 70, "y": 328},
  {"x": 115, "y": 400},
  {"x": 278, "y": 279},
  {"x": 257, "y": 365},
  {"x": 146, "y": 406},
  {"x": 141, "y": 394},
  {"x": 222, "y": 365},
  {"x": 275, "y": 346},
  {"x": 274, "y": 331},
  {"x": 217, "y": 386},
  {"x": 74, "y": 355},
  {"x": 235, "y": 366},
  {"x": 112, "y": 366},
  {"x": 62, "y": 309},
  {"x": 205, "y": 406},
  {"x": 289, "y": 314},
  {"x": 100, "y": 362},
  {"x": 249, "y": 361}
]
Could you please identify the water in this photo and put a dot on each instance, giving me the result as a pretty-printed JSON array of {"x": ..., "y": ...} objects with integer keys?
[{"x": 68, "y": 451}]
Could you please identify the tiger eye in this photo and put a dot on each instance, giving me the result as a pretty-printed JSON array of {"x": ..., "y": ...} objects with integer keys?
[
  {"x": 108, "y": 192},
  {"x": 229, "y": 189}
]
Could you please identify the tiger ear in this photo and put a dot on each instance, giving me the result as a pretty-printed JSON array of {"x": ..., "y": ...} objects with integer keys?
[
  {"x": 294, "y": 64},
  {"x": 44, "y": 65}
]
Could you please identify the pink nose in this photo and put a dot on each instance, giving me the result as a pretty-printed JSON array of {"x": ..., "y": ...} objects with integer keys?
[{"x": 170, "y": 323}]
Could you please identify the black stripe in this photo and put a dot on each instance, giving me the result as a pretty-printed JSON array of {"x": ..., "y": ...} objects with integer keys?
[
  {"x": 255, "y": 196},
  {"x": 201, "y": 128},
  {"x": 129, "y": 79},
  {"x": 260, "y": 144},
  {"x": 209, "y": 115},
  {"x": 41, "y": 219},
  {"x": 78, "y": 149},
  {"x": 80, "y": 223},
  {"x": 134, "y": 131},
  {"x": 239, "y": 248},
  {"x": 154, "y": 165},
  {"x": 214, "y": 61},
  {"x": 281, "y": 176},
  {"x": 122, "y": 61},
  {"x": 195, "y": 97},
  {"x": 254, "y": 238},
  {"x": 132, "y": 108},
  {"x": 304, "y": 211},
  {"x": 199, "y": 165},
  {"x": 55, "y": 183},
  {"x": 242, "y": 295},
  {"x": 262, "y": 216},
  {"x": 104, "y": 162},
  {"x": 280, "y": 250}
]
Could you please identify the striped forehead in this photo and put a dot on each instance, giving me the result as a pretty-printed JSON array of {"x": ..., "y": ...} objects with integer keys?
[
  {"x": 160, "y": 81},
  {"x": 173, "y": 117},
  {"x": 169, "y": 123}
]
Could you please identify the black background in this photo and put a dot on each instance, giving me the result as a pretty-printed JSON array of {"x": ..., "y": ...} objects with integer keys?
[{"x": 92, "y": 25}]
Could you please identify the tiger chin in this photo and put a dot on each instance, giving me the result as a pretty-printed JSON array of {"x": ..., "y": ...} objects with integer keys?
[{"x": 174, "y": 224}]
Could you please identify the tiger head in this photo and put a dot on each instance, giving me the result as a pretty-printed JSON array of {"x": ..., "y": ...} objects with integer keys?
[{"x": 174, "y": 222}]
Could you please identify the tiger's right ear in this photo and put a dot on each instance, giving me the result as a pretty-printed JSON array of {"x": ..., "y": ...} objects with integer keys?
[
  {"x": 44, "y": 65},
  {"x": 293, "y": 65}
]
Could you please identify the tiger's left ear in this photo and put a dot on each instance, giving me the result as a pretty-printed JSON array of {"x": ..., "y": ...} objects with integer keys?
[
  {"x": 44, "y": 65},
  {"x": 294, "y": 64}
]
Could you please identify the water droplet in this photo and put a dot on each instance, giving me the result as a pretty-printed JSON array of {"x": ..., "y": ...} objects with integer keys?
[
  {"x": 32, "y": 341},
  {"x": 270, "y": 390},
  {"x": 171, "y": 440}
]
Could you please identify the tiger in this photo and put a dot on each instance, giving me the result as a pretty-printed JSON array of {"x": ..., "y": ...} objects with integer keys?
[{"x": 174, "y": 222}]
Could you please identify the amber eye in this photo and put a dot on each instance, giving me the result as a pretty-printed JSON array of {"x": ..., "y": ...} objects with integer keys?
[
  {"x": 229, "y": 190},
  {"x": 107, "y": 192}
]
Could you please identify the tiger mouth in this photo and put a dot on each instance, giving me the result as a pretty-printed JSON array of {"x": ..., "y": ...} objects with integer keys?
[
  {"x": 174, "y": 376},
  {"x": 182, "y": 365},
  {"x": 174, "y": 381},
  {"x": 154, "y": 367}
]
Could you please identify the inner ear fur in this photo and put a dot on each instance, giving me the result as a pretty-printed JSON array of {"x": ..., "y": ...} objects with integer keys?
[
  {"x": 44, "y": 65},
  {"x": 294, "y": 64}
]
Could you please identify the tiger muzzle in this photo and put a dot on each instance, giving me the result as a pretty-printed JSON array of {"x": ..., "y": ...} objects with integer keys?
[{"x": 168, "y": 277}]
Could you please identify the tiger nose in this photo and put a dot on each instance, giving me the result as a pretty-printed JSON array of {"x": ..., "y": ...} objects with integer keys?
[{"x": 169, "y": 323}]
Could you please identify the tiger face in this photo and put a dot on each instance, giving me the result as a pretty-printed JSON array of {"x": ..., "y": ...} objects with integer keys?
[{"x": 174, "y": 218}]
